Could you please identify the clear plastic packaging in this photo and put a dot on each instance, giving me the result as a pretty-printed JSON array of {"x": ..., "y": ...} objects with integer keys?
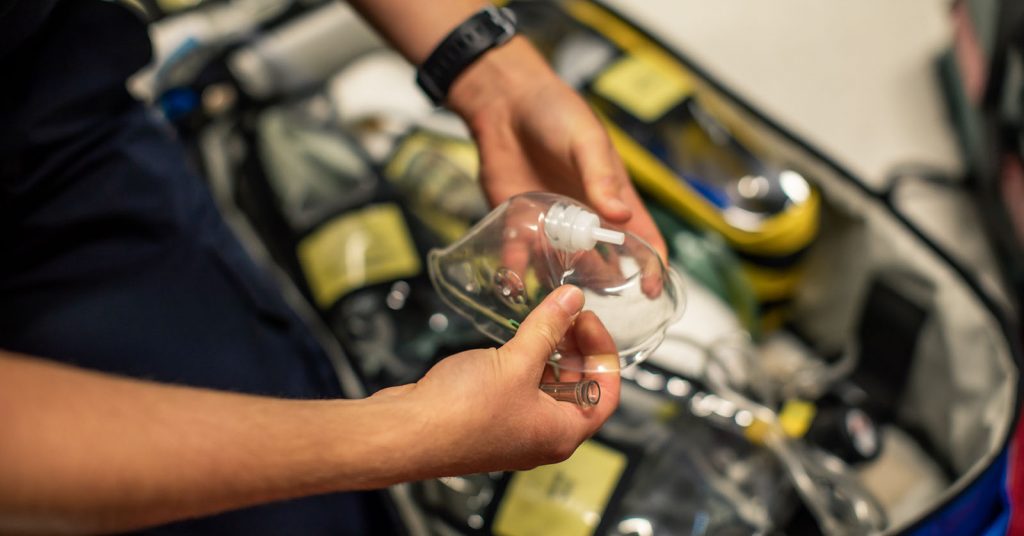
[{"x": 534, "y": 243}]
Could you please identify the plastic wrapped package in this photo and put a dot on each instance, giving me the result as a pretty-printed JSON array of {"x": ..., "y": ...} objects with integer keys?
[
  {"x": 694, "y": 478},
  {"x": 312, "y": 166},
  {"x": 436, "y": 176}
]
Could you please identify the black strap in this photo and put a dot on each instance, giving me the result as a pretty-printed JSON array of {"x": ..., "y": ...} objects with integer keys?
[{"x": 488, "y": 28}]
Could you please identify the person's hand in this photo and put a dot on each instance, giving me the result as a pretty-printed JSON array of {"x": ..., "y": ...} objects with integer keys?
[
  {"x": 536, "y": 133},
  {"x": 482, "y": 410}
]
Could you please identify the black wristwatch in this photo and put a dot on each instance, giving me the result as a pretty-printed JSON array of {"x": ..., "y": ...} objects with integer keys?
[{"x": 489, "y": 28}]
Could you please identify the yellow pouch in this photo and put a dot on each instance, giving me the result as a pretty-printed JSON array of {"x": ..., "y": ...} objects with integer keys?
[
  {"x": 356, "y": 249},
  {"x": 564, "y": 499}
]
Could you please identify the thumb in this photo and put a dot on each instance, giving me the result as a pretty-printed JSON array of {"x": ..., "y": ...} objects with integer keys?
[{"x": 539, "y": 335}]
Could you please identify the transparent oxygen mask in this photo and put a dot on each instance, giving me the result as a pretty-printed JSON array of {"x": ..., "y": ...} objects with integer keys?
[{"x": 536, "y": 242}]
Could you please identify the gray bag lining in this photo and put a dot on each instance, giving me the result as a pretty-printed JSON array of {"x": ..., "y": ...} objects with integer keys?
[{"x": 962, "y": 388}]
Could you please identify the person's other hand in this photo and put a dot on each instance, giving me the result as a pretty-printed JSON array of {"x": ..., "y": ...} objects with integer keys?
[
  {"x": 535, "y": 133},
  {"x": 482, "y": 410}
]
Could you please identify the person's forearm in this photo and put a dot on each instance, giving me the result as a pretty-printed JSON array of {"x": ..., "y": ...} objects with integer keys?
[
  {"x": 416, "y": 28},
  {"x": 87, "y": 452},
  {"x": 83, "y": 452}
]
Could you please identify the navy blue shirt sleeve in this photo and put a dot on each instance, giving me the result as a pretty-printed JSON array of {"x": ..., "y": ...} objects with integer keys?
[{"x": 19, "y": 19}]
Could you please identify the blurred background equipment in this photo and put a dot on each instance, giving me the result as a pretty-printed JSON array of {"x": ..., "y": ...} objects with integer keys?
[
  {"x": 678, "y": 151},
  {"x": 983, "y": 75}
]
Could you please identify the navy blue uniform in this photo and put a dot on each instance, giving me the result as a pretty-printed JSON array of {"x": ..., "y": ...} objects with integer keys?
[{"x": 112, "y": 254}]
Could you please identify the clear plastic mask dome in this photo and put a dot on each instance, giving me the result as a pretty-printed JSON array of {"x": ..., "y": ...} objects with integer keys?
[{"x": 536, "y": 242}]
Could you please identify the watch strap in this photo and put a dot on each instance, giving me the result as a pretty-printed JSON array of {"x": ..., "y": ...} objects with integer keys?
[{"x": 488, "y": 28}]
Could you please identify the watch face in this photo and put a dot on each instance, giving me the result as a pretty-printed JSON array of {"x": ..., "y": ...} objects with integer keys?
[{"x": 505, "y": 19}]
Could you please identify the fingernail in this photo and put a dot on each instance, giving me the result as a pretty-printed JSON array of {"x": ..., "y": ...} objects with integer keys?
[
  {"x": 570, "y": 299},
  {"x": 618, "y": 205}
]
